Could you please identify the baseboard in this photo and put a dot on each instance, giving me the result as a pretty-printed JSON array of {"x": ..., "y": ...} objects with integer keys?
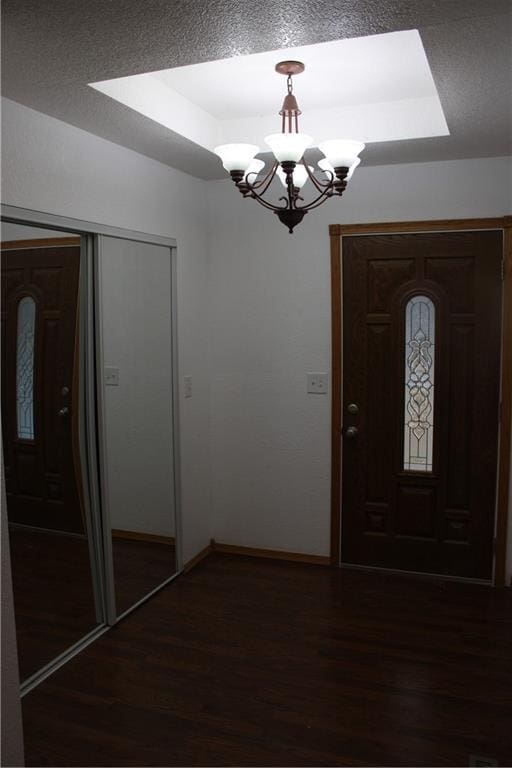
[
  {"x": 38, "y": 529},
  {"x": 119, "y": 533},
  {"x": 197, "y": 558},
  {"x": 274, "y": 554}
]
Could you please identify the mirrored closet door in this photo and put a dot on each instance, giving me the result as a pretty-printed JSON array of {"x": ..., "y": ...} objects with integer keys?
[
  {"x": 136, "y": 395},
  {"x": 57, "y": 594},
  {"x": 89, "y": 429}
]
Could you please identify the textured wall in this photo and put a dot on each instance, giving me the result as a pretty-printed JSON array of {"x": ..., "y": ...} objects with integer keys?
[
  {"x": 258, "y": 307},
  {"x": 271, "y": 324},
  {"x": 53, "y": 167}
]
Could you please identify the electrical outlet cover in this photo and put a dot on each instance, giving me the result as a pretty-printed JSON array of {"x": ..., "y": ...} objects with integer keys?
[{"x": 317, "y": 383}]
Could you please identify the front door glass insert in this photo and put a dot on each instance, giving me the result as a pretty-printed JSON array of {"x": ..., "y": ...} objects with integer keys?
[
  {"x": 25, "y": 336},
  {"x": 419, "y": 384}
]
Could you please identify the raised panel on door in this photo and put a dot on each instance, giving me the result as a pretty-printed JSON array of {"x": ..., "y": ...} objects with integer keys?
[
  {"x": 40, "y": 472},
  {"x": 419, "y": 455}
]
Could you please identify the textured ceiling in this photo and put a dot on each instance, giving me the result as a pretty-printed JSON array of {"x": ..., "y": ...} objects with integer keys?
[{"x": 51, "y": 50}]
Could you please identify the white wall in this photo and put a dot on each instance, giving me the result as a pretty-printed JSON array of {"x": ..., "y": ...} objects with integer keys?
[
  {"x": 270, "y": 325},
  {"x": 252, "y": 299},
  {"x": 53, "y": 167},
  {"x": 135, "y": 289}
]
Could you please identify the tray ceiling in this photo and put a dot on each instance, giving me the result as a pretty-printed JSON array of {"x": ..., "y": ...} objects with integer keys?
[{"x": 53, "y": 50}]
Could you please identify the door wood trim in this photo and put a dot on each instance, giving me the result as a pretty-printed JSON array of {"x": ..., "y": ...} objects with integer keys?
[
  {"x": 336, "y": 387},
  {"x": 336, "y": 233},
  {"x": 438, "y": 225},
  {"x": 197, "y": 558},
  {"x": 152, "y": 538},
  {"x": 273, "y": 554},
  {"x": 49, "y": 242},
  {"x": 505, "y": 414}
]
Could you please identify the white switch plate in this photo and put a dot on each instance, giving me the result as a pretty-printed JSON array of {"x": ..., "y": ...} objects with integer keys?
[
  {"x": 317, "y": 383},
  {"x": 111, "y": 376},
  {"x": 187, "y": 381}
]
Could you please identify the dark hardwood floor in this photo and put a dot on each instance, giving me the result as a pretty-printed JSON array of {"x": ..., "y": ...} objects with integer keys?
[
  {"x": 253, "y": 662},
  {"x": 53, "y": 597},
  {"x": 139, "y": 567},
  {"x": 53, "y": 594}
]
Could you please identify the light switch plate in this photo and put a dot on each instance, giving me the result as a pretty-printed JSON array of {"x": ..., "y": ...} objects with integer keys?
[
  {"x": 111, "y": 376},
  {"x": 187, "y": 381},
  {"x": 317, "y": 383}
]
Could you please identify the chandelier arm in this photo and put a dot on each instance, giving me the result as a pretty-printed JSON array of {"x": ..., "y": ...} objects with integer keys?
[
  {"x": 266, "y": 204},
  {"x": 266, "y": 181},
  {"x": 319, "y": 184},
  {"x": 316, "y": 201}
]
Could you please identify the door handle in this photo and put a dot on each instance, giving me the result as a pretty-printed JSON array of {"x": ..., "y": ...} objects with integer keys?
[
  {"x": 351, "y": 432},
  {"x": 63, "y": 411}
]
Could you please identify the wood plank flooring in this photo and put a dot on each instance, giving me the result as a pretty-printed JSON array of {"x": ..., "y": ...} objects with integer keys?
[
  {"x": 265, "y": 663},
  {"x": 139, "y": 567},
  {"x": 53, "y": 594}
]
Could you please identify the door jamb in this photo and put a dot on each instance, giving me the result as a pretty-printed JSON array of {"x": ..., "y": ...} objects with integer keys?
[{"x": 336, "y": 233}]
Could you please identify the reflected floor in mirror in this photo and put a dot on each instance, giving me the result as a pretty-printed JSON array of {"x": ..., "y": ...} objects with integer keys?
[
  {"x": 52, "y": 592},
  {"x": 140, "y": 565}
]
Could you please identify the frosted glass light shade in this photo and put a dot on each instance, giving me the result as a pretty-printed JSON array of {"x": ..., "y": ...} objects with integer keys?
[
  {"x": 255, "y": 167},
  {"x": 352, "y": 169},
  {"x": 288, "y": 147},
  {"x": 341, "y": 153},
  {"x": 325, "y": 165},
  {"x": 300, "y": 176},
  {"x": 236, "y": 157}
]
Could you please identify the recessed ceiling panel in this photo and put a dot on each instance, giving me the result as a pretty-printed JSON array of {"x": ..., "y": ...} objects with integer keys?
[{"x": 375, "y": 88}]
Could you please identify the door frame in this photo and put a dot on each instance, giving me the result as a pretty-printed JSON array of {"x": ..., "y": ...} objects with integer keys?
[{"x": 336, "y": 234}]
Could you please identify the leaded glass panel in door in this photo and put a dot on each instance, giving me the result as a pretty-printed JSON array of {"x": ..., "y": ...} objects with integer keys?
[
  {"x": 419, "y": 384},
  {"x": 25, "y": 336}
]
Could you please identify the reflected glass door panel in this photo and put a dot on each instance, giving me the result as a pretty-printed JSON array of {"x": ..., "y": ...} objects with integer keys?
[
  {"x": 50, "y": 546},
  {"x": 137, "y": 414}
]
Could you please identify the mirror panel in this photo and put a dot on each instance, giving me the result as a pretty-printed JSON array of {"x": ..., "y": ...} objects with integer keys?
[
  {"x": 137, "y": 414},
  {"x": 55, "y": 587}
]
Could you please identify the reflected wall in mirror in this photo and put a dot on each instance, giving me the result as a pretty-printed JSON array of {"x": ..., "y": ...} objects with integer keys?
[
  {"x": 137, "y": 415},
  {"x": 49, "y": 530}
]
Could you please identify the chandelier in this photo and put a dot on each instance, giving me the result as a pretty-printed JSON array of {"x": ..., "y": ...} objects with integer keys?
[{"x": 338, "y": 165}]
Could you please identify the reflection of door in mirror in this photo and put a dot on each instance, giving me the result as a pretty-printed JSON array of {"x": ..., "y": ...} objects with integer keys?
[
  {"x": 136, "y": 327},
  {"x": 52, "y": 585}
]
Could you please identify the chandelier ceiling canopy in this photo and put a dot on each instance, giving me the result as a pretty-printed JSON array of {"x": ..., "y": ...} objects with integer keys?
[{"x": 341, "y": 158}]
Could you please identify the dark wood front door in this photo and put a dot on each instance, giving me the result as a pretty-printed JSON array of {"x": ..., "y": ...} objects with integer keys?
[
  {"x": 421, "y": 366},
  {"x": 39, "y": 314}
]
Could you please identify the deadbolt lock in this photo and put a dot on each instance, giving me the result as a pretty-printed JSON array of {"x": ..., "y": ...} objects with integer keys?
[{"x": 353, "y": 408}]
